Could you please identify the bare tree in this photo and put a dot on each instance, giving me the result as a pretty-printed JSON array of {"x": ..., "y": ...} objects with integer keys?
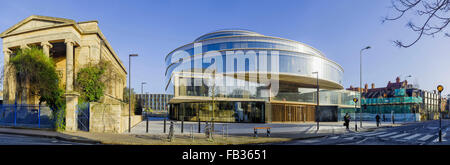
[{"x": 434, "y": 14}]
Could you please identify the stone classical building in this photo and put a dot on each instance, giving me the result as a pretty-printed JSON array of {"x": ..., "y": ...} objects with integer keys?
[{"x": 72, "y": 45}]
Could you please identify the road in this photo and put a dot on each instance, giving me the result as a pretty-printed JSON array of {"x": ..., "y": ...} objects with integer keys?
[
  {"x": 420, "y": 133},
  {"x": 8, "y": 139}
]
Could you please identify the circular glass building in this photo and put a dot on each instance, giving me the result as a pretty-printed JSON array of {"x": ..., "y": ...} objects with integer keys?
[{"x": 244, "y": 76}]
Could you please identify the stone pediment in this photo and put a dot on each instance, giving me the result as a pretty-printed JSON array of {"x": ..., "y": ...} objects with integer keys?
[{"x": 35, "y": 22}]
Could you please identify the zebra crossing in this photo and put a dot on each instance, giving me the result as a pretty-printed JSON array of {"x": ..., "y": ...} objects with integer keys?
[{"x": 397, "y": 136}]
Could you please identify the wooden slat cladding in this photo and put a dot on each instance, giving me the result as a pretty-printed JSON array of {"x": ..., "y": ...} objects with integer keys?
[{"x": 293, "y": 113}]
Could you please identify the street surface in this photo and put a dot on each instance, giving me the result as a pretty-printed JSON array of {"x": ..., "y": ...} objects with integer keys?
[
  {"x": 8, "y": 139},
  {"x": 419, "y": 133}
]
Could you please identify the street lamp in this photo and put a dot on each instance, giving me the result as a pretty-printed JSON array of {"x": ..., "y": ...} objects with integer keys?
[
  {"x": 360, "y": 83},
  {"x": 318, "y": 108},
  {"x": 129, "y": 90},
  {"x": 356, "y": 124},
  {"x": 142, "y": 87},
  {"x": 142, "y": 98},
  {"x": 440, "y": 88}
]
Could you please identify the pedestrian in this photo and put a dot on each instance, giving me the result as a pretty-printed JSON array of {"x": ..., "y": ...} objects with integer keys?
[
  {"x": 377, "y": 118},
  {"x": 393, "y": 119},
  {"x": 384, "y": 118},
  {"x": 171, "y": 131},
  {"x": 207, "y": 130},
  {"x": 347, "y": 120}
]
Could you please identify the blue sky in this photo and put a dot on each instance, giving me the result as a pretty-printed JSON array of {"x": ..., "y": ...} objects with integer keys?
[{"x": 340, "y": 29}]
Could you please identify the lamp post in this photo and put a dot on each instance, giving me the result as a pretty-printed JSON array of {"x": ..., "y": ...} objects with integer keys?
[
  {"x": 129, "y": 90},
  {"x": 318, "y": 108},
  {"x": 360, "y": 83},
  {"x": 143, "y": 96},
  {"x": 142, "y": 87},
  {"x": 440, "y": 88}
]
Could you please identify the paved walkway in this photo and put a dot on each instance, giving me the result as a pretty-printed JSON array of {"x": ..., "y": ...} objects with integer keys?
[
  {"x": 277, "y": 129},
  {"x": 238, "y": 133}
]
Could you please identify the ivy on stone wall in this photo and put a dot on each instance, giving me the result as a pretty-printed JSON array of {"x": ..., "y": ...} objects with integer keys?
[
  {"x": 36, "y": 73},
  {"x": 91, "y": 80}
]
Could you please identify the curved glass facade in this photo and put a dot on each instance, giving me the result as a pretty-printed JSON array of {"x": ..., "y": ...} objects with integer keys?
[{"x": 238, "y": 62}]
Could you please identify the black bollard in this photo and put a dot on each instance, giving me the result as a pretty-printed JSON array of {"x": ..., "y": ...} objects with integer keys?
[
  {"x": 199, "y": 125},
  {"x": 164, "y": 125},
  {"x": 146, "y": 129},
  {"x": 182, "y": 125}
]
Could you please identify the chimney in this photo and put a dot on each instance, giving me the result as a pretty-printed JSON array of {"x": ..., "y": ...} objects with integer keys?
[
  {"x": 365, "y": 87},
  {"x": 351, "y": 86},
  {"x": 397, "y": 80},
  {"x": 373, "y": 85}
]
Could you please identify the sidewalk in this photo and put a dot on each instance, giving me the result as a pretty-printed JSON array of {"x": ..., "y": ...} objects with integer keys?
[
  {"x": 238, "y": 133},
  {"x": 279, "y": 130},
  {"x": 46, "y": 134}
]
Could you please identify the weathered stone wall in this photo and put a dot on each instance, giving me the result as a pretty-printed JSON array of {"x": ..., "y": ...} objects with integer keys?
[
  {"x": 104, "y": 117},
  {"x": 110, "y": 115}
]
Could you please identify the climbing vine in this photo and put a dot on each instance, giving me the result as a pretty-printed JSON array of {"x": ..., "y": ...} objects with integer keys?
[
  {"x": 36, "y": 72},
  {"x": 91, "y": 80}
]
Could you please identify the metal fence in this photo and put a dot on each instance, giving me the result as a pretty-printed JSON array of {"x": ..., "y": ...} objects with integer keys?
[
  {"x": 83, "y": 114},
  {"x": 26, "y": 115}
]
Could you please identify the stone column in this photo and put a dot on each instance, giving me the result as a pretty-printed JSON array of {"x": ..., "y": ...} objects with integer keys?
[
  {"x": 113, "y": 86},
  {"x": 71, "y": 96},
  {"x": 6, "y": 79},
  {"x": 71, "y": 107},
  {"x": 46, "y": 46},
  {"x": 69, "y": 65}
]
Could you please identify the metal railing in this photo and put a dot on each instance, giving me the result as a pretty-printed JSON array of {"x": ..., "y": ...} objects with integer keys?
[{"x": 26, "y": 115}]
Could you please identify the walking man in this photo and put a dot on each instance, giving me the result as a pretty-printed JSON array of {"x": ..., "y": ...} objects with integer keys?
[
  {"x": 377, "y": 118},
  {"x": 347, "y": 120}
]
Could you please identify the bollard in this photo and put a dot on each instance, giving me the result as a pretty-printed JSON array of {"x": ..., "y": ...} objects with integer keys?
[
  {"x": 146, "y": 129},
  {"x": 164, "y": 125},
  {"x": 192, "y": 133},
  {"x": 182, "y": 125},
  {"x": 199, "y": 125},
  {"x": 39, "y": 116}
]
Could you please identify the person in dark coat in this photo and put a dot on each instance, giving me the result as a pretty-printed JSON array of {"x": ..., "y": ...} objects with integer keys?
[
  {"x": 347, "y": 120},
  {"x": 377, "y": 118}
]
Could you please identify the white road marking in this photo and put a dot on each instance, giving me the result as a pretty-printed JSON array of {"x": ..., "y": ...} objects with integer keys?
[
  {"x": 412, "y": 136},
  {"x": 401, "y": 135},
  {"x": 334, "y": 137},
  {"x": 365, "y": 133},
  {"x": 426, "y": 137},
  {"x": 349, "y": 138},
  {"x": 389, "y": 134},
  {"x": 374, "y": 134},
  {"x": 443, "y": 139},
  {"x": 361, "y": 141}
]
